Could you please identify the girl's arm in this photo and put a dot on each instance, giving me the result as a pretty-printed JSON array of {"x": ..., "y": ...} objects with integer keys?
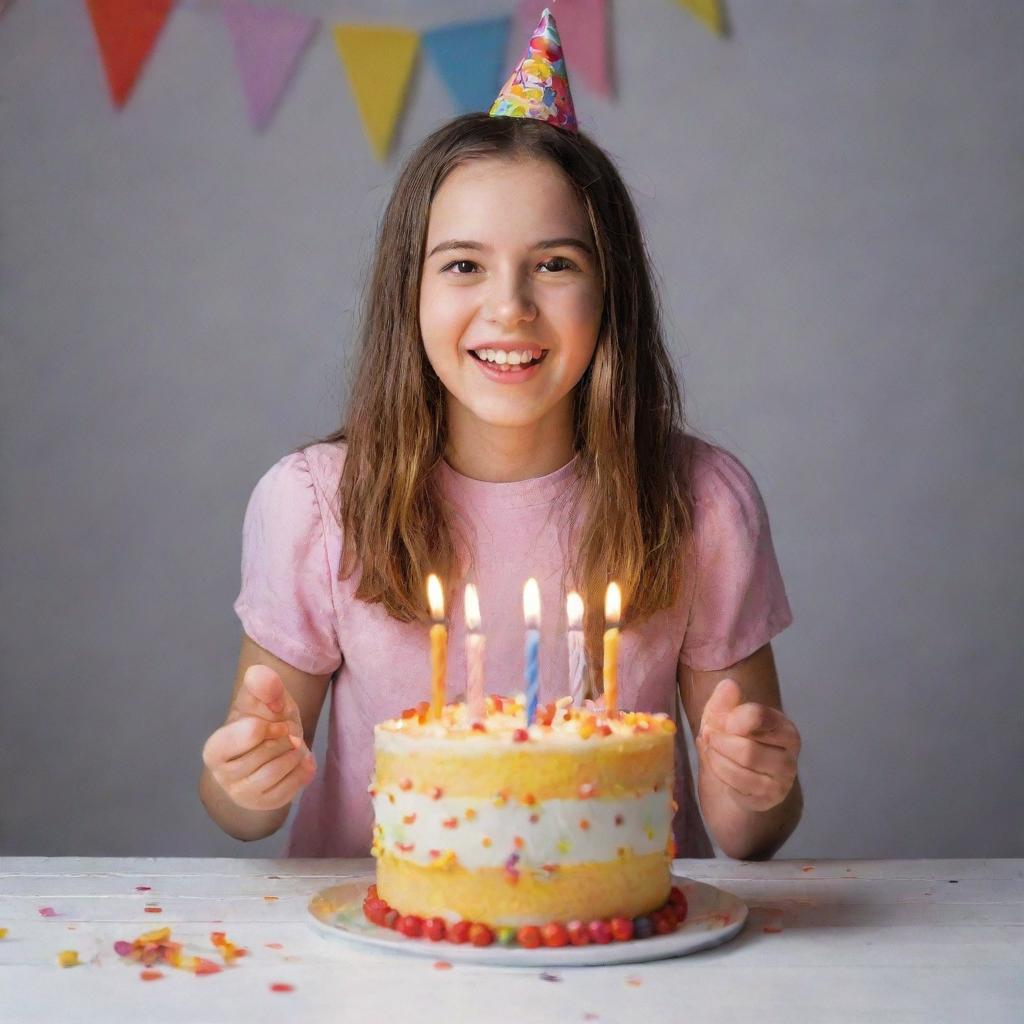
[
  {"x": 747, "y": 749},
  {"x": 257, "y": 708}
]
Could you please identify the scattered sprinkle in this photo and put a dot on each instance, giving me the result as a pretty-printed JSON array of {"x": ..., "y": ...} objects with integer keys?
[
  {"x": 273, "y": 945},
  {"x": 68, "y": 958},
  {"x": 143, "y": 888},
  {"x": 545, "y": 976},
  {"x": 634, "y": 980},
  {"x": 772, "y": 929},
  {"x": 807, "y": 867},
  {"x": 153, "y": 910},
  {"x": 442, "y": 965},
  {"x": 952, "y": 881},
  {"x": 282, "y": 986},
  {"x": 151, "y": 975},
  {"x": 48, "y": 912},
  {"x": 3, "y": 933},
  {"x": 270, "y": 899}
]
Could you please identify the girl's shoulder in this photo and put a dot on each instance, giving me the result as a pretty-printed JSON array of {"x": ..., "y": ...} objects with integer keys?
[
  {"x": 310, "y": 474},
  {"x": 717, "y": 479}
]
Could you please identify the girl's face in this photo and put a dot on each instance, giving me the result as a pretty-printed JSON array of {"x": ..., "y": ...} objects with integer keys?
[{"x": 510, "y": 293}]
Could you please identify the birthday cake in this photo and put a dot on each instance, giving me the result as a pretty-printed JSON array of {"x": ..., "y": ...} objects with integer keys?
[{"x": 488, "y": 821}]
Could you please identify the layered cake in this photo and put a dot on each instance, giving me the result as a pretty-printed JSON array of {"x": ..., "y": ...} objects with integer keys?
[{"x": 491, "y": 822}]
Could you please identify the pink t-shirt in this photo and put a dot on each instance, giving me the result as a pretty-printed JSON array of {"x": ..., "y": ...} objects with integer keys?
[{"x": 293, "y": 604}]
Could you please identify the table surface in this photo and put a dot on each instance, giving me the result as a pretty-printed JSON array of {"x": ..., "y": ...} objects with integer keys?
[{"x": 922, "y": 940}]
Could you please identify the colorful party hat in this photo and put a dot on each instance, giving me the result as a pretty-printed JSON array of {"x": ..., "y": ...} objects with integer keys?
[{"x": 539, "y": 86}]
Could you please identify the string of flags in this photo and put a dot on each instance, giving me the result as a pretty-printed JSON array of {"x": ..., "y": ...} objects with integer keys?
[{"x": 269, "y": 43}]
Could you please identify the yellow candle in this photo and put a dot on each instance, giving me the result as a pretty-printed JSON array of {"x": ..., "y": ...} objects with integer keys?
[
  {"x": 438, "y": 645},
  {"x": 612, "y": 612}
]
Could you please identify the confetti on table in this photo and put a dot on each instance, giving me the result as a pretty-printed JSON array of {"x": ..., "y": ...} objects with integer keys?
[
  {"x": 153, "y": 910},
  {"x": 48, "y": 912},
  {"x": 151, "y": 975},
  {"x": 143, "y": 888},
  {"x": 282, "y": 986},
  {"x": 442, "y": 965},
  {"x": 68, "y": 958}
]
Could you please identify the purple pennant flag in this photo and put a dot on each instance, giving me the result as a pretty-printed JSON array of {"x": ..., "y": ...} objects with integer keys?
[{"x": 268, "y": 44}]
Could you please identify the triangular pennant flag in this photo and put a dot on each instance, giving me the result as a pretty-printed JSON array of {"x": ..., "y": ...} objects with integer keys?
[
  {"x": 126, "y": 31},
  {"x": 709, "y": 12},
  {"x": 470, "y": 58},
  {"x": 268, "y": 44},
  {"x": 378, "y": 61},
  {"x": 583, "y": 28}
]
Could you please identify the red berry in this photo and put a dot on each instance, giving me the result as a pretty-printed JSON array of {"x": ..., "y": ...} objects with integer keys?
[
  {"x": 480, "y": 934},
  {"x": 411, "y": 926},
  {"x": 555, "y": 934},
  {"x": 458, "y": 932},
  {"x": 678, "y": 900},
  {"x": 578, "y": 933},
  {"x": 663, "y": 924},
  {"x": 600, "y": 932},
  {"x": 529, "y": 936},
  {"x": 622, "y": 929},
  {"x": 434, "y": 928},
  {"x": 669, "y": 913},
  {"x": 391, "y": 918},
  {"x": 520, "y": 736},
  {"x": 372, "y": 891}
]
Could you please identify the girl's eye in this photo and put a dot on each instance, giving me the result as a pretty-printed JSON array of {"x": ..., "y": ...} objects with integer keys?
[{"x": 469, "y": 263}]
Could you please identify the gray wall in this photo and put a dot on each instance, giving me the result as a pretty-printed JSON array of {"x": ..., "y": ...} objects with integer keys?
[{"x": 834, "y": 204}]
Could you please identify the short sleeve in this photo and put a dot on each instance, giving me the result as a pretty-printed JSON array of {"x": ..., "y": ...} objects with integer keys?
[
  {"x": 286, "y": 603},
  {"x": 739, "y": 601}
]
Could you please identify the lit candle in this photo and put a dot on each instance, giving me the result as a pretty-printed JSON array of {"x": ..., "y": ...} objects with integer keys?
[
  {"x": 612, "y": 612},
  {"x": 531, "y": 612},
  {"x": 474, "y": 657},
  {"x": 438, "y": 645},
  {"x": 577, "y": 649}
]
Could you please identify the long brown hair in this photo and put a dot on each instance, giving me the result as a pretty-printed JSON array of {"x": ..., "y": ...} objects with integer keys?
[{"x": 632, "y": 505}]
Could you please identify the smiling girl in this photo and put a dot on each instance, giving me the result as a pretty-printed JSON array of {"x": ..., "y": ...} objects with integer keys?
[{"x": 514, "y": 413}]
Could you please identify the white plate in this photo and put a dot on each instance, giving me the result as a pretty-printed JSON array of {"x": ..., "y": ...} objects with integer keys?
[{"x": 713, "y": 917}]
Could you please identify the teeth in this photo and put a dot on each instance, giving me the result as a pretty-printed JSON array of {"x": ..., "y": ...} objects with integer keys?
[{"x": 507, "y": 360}]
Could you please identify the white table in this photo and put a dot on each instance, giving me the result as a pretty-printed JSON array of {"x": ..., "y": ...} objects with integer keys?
[{"x": 878, "y": 941}]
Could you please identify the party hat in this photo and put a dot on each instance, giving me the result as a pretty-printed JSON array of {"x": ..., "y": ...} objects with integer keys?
[{"x": 539, "y": 86}]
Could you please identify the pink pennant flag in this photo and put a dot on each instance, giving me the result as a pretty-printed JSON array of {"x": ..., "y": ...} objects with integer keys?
[
  {"x": 268, "y": 44},
  {"x": 583, "y": 28}
]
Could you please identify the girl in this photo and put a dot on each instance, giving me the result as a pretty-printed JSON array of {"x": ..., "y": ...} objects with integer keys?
[{"x": 514, "y": 414}]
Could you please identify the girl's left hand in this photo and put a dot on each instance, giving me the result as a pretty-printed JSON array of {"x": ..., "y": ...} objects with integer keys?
[{"x": 751, "y": 748}]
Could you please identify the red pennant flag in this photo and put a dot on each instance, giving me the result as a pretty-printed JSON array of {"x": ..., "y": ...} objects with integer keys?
[{"x": 126, "y": 31}]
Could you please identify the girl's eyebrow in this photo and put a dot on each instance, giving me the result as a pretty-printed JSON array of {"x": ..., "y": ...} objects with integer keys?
[{"x": 548, "y": 243}]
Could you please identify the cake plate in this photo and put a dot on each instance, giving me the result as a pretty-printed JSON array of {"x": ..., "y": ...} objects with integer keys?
[{"x": 713, "y": 917}]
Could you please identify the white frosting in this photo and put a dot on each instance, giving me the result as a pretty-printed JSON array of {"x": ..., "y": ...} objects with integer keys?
[{"x": 556, "y": 837}]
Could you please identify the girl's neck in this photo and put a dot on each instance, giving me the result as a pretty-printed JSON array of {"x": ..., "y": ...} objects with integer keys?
[{"x": 496, "y": 454}]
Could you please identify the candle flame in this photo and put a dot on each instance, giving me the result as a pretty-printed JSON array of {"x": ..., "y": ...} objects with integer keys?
[
  {"x": 574, "y": 610},
  {"x": 612, "y": 604},
  {"x": 435, "y": 597},
  {"x": 472, "y": 603},
  {"x": 531, "y": 603}
]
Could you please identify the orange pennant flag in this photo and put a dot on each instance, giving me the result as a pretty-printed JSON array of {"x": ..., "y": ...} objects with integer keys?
[
  {"x": 379, "y": 61},
  {"x": 710, "y": 12},
  {"x": 126, "y": 31}
]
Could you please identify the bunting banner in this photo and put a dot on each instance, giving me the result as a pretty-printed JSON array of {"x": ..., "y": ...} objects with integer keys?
[
  {"x": 470, "y": 58},
  {"x": 379, "y": 61},
  {"x": 583, "y": 29},
  {"x": 126, "y": 32},
  {"x": 268, "y": 44}
]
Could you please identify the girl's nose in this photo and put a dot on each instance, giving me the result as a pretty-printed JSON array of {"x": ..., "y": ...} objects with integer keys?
[{"x": 510, "y": 303}]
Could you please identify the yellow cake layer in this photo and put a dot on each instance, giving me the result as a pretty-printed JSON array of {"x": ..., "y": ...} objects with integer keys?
[
  {"x": 612, "y": 767},
  {"x": 625, "y": 887}
]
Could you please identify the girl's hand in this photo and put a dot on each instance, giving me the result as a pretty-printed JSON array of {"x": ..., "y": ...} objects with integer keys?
[
  {"x": 751, "y": 748},
  {"x": 259, "y": 757}
]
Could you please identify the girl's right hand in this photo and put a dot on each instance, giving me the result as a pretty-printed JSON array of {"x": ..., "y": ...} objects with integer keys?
[{"x": 259, "y": 757}]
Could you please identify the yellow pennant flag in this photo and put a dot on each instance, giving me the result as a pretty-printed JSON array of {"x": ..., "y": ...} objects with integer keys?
[
  {"x": 707, "y": 11},
  {"x": 378, "y": 61}
]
